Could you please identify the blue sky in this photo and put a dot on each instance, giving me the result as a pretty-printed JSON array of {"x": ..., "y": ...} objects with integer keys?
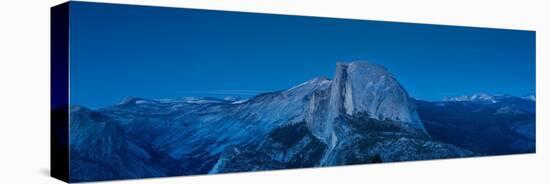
[{"x": 119, "y": 51}]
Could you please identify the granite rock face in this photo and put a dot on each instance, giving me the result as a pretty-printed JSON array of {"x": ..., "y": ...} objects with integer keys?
[
  {"x": 362, "y": 115},
  {"x": 361, "y": 88}
]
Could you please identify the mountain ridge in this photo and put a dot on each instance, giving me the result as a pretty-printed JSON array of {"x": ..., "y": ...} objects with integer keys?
[{"x": 363, "y": 115}]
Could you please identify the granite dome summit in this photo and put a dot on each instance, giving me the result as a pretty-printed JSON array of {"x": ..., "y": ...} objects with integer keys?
[{"x": 362, "y": 115}]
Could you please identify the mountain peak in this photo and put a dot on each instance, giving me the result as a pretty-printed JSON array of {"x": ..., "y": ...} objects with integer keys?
[
  {"x": 370, "y": 88},
  {"x": 77, "y": 108},
  {"x": 531, "y": 97},
  {"x": 364, "y": 67},
  {"x": 484, "y": 98},
  {"x": 478, "y": 97},
  {"x": 309, "y": 86},
  {"x": 129, "y": 100},
  {"x": 362, "y": 88}
]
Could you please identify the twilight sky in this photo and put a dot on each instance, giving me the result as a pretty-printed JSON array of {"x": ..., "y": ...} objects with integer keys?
[{"x": 119, "y": 51}]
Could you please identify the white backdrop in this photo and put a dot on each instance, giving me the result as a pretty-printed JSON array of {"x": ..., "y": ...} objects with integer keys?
[{"x": 24, "y": 90}]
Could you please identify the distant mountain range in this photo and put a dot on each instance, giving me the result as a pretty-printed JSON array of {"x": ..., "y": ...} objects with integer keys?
[
  {"x": 361, "y": 116},
  {"x": 487, "y": 98},
  {"x": 485, "y": 124}
]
